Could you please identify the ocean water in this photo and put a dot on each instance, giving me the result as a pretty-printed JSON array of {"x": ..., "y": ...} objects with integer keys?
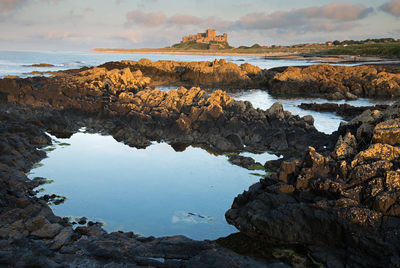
[
  {"x": 153, "y": 191},
  {"x": 12, "y": 62}
]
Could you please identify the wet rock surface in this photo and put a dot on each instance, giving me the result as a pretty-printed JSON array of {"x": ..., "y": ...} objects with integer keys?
[
  {"x": 215, "y": 74},
  {"x": 345, "y": 110},
  {"x": 336, "y": 82},
  {"x": 188, "y": 116},
  {"x": 116, "y": 102},
  {"x": 338, "y": 202},
  {"x": 31, "y": 235},
  {"x": 344, "y": 207}
]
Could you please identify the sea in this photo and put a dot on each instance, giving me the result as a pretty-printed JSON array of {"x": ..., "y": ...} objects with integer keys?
[{"x": 17, "y": 62}]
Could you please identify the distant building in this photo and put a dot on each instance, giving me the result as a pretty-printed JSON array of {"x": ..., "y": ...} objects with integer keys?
[
  {"x": 207, "y": 37},
  {"x": 329, "y": 43}
]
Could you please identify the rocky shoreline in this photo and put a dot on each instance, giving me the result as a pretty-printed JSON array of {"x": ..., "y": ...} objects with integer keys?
[
  {"x": 345, "y": 110},
  {"x": 115, "y": 99},
  {"x": 336, "y": 82},
  {"x": 345, "y": 205}
]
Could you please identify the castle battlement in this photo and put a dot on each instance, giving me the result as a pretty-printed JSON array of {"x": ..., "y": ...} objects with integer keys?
[{"x": 207, "y": 37}]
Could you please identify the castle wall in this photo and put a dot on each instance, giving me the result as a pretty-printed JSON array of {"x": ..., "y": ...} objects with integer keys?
[{"x": 207, "y": 37}]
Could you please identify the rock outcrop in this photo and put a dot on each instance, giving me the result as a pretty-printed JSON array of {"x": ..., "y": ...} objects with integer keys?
[
  {"x": 336, "y": 82},
  {"x": 340, "y": 201},
  {"x": 326, "y": 81},
  {"x": 215, "y": 74},
  {"x": 190, "y": 116},
  {"x": 345, "y": 110},
  {"x": 344, "y": 207}
]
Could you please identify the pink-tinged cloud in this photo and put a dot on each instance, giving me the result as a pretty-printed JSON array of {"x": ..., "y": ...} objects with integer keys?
[
  {"x": 130, "y": 36},
  {"x": 334, "y": 16},
  {"x": 331, "y": 17},
  {"x": 56, "y": 35},
  {"x": 9, "y": 5},
  {"x": 179, "y": 19},
  {"x": 337, "y": 11},
  {"x": 146, "y": 19},
  {"x": 88, "y": 9},
  {"x": 392, "y": 7}
]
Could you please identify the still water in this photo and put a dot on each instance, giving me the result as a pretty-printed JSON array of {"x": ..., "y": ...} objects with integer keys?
[
  {"x": 11, "y": 62},
  {"x": 324, "y": 122},
  {"x": 153, "y": 191}
]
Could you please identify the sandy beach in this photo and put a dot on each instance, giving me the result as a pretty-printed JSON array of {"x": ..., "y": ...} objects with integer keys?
[{"x": 267, "y": 56}]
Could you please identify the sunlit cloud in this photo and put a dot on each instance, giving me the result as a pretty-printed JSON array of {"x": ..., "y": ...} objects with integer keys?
[
  {"x": 10, "y": 5},
  {"x": 152, "y": 19},
  {"x": 56, "y": 35},
  {"x": 392, "y": 7},
  {"x": 129, "y": 35},
  {"x": 328, "y": 17}
]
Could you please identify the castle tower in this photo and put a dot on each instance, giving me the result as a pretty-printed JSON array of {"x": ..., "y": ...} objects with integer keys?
[{"x": 210, "y": 33}]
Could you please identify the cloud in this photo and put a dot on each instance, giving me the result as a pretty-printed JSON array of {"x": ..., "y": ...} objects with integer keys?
[
  {"x": 392, "y": 7},
  {"x": 146, "y": 19},
  {"x": 337, "y": 11},
  {"x": 130, "y": 36},
  {"x": 56, "y": 35},
  {"x": 159, "y": 19},
  {"x": 88, "y": 9},
  {"x": 179, "y": 19},
  {"x": 51, "y": 1},
  {"x": 329, "y": 17},
  {"x": 10, "y": 5}
]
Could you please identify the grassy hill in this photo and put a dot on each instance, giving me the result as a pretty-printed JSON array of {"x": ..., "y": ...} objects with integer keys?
[
  {"x": 200, "y": 46},
  {"x": 347, "y": 47},
  {"x": 391, "y": 50}
]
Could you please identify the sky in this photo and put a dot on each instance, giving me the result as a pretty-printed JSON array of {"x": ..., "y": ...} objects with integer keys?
[{"x": 77, "y": 25}]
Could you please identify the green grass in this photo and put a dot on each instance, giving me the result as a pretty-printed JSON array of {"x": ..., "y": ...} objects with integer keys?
[
  {"x": 198, "y": 46},
  {"x": 257, "y": 174},
  {"x": 318, "y": 264},
  {"x": 37, "y": 165},
  {"x": 383, "y": 50},
  {"x": 231, "y": 154},
  {"x": 59, "y": 199},
  {"x": 256, "y": 167},
  {"x": 49, "y": 149},
  {"x": 64, "y": 144},
  {"x": 390, "y": 50},
  {"x": 191, "y": 45}
]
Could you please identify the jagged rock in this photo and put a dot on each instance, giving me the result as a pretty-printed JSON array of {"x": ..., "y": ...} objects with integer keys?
[
  {"x": 387, "y": 132},
  {"x": 206, "y": 74},
  {"x": 345, "y": 110},
  {"x": 62, "y": 238},
  {"x": 242, "y": 161},
  {"x": 353, "y": 194},
  {"x": 189, "y": 111},
  {"x": 336, "y": 82},
  {"x": 47, "y": 231},
  {"x": 345, "y": 147}
]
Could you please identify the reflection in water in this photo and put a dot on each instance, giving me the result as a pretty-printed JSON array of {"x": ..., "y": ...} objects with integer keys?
[
  {"x": 324, "y": 122},
  {"x": 153, "y": 191},
  {"x": 260, "y": 158}
]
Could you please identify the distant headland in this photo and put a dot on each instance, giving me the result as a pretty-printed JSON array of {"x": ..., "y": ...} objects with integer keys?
[{"x": 209, "y": 43}]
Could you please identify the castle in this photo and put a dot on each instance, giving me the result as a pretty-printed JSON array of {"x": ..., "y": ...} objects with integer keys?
[{"x": 207, "y": 37}]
